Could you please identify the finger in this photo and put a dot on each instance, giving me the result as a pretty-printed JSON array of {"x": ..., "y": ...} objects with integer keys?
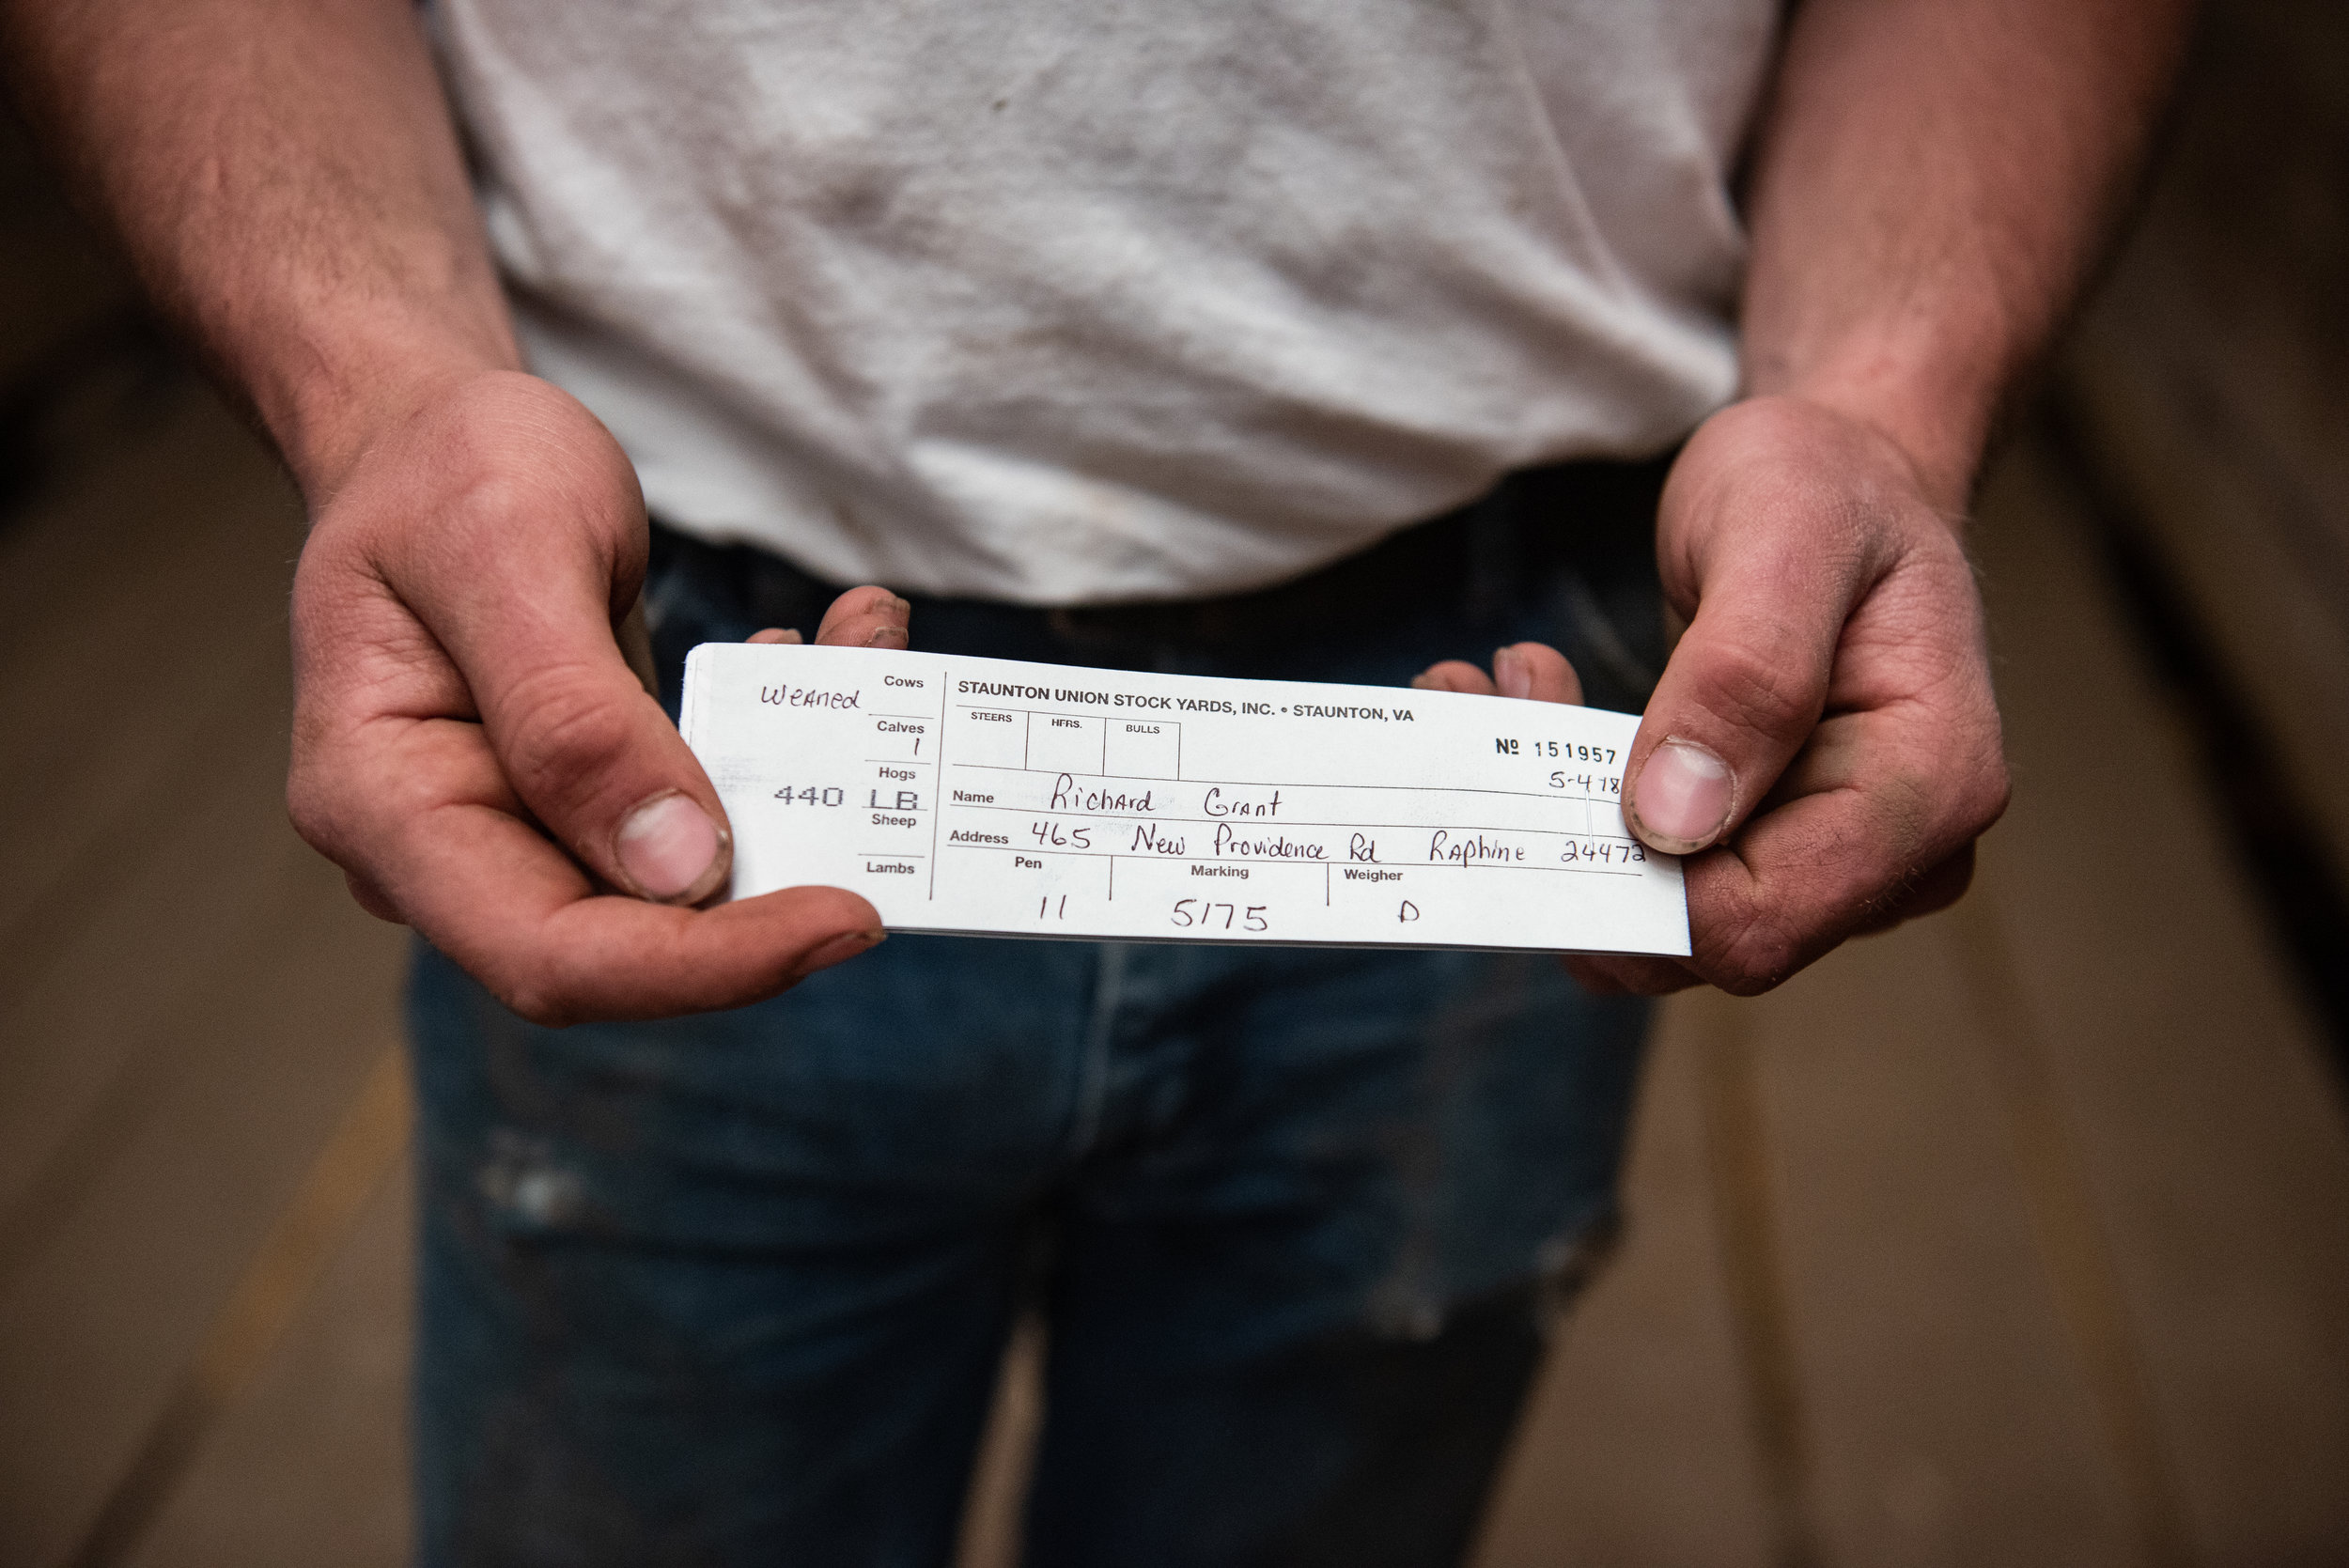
[
  {"x": 1595, "y": 975},
  {"x": 1625, "y": 975},
  {"x": 1926, "y": 893},
  {"x": 502, "y": 901},
  {"x": 1537, "y": 672},
  {"x": 1804, "y": 876},
  {"x": 774, "y": 634},
  {"x": 599, "y": 763},
  {"x": 865, "y": 618},
  {"x": 1455, "y": 675},
  {"x": 371, "y": 898}
]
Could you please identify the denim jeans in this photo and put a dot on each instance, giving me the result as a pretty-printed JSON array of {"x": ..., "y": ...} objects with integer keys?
[{"x": 733, "y": 1289}]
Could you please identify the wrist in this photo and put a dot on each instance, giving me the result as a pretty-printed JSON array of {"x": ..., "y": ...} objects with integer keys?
[
  {"x": 333, "y": 394},
  {"x": 1932, "y": 393}
]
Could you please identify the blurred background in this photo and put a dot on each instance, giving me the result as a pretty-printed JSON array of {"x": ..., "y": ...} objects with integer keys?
[{"x": 2018, "y": 1235}]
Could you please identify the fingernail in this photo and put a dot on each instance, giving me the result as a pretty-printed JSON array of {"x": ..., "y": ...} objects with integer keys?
[
  {"x": 885, "y": 634},
  {"x": 668, "y": 846},
  {"x": 1683, "y": 797},
  {"x": 842, "y": 948},
  {"x": 1512, "y": 674}
]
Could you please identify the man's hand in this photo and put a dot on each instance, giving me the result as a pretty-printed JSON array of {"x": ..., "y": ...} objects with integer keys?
[
  {"x": 1926, "y": 189},
  {"x": 471, "y": 747},
  {"x": 1824, "y": 747},
  {"x": 469, "y": 744}
]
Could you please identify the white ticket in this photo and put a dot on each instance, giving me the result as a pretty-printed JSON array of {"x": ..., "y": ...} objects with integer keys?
[{"x": 987, "y": 797}]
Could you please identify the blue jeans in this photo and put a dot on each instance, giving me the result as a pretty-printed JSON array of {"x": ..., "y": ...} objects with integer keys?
[{"x": 733, "y": 1289}]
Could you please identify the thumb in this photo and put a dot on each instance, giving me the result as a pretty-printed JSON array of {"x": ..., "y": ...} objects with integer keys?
[
  {"x": 598, "y": 764},
  {"x": 1738, "y": 698},
  {"x": 588, "y": 751},
  {"x": 585, "y": 747}
]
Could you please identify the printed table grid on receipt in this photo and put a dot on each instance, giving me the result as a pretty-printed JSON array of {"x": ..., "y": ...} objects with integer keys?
[{"x": 993, "y": 798}]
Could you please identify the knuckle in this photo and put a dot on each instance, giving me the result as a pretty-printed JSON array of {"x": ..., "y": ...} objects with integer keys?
[
  {"x": 543, "y": 1010},
  {"x": 1949, "y": 805},
  {"x": 1987, "y": 796},
  {"x": 307, "y": 807},
  {"x": 560, "y": 730},
  {"x": 1754, "y": 955},
  {"x": 533, "y": 992},
  {"x": 319, "y": 805},
  {"x": 1751, "y": 979},
  {"x": 532, "y": 1007}
]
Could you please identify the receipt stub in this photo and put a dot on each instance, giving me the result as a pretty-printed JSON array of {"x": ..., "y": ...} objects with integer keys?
[{"x": 987, "y": 797}]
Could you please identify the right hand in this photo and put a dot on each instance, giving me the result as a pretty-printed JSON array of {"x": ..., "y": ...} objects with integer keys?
[{"x": 473, "y": 750}]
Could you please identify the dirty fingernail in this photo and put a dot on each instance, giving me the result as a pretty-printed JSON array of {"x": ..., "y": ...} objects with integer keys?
[
  {"x": 840, "y": 949},
  {"x": 886, "y": 636},
  {"x": 1511, "y": 674},
  {"x": 667, "y": 845},
  {"x": 1683, "y": 797}
]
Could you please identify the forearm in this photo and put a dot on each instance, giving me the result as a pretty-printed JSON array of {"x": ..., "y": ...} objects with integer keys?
[
  {"x": 1929, "y": 187},
  {"x": 285, "y": 176}
]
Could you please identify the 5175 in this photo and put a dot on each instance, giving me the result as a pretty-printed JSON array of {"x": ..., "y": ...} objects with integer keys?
[{"x": 1220, "y": 916}]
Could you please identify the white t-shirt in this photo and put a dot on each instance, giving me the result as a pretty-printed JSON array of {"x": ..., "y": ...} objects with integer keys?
[{"x": 1088, "y": 300}]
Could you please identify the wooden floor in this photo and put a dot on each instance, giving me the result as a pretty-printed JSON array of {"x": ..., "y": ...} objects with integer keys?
[{"x": 2020, "y": 1235}]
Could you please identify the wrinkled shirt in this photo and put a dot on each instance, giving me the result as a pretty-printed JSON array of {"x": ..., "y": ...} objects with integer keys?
[{"x": 1090, "y": 300}]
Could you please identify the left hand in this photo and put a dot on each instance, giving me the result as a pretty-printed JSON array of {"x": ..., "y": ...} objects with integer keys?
[{"x": 1824, "y": 748}]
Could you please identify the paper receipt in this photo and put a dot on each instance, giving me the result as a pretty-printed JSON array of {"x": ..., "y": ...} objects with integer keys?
[{"x": 989, "y": 797}]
